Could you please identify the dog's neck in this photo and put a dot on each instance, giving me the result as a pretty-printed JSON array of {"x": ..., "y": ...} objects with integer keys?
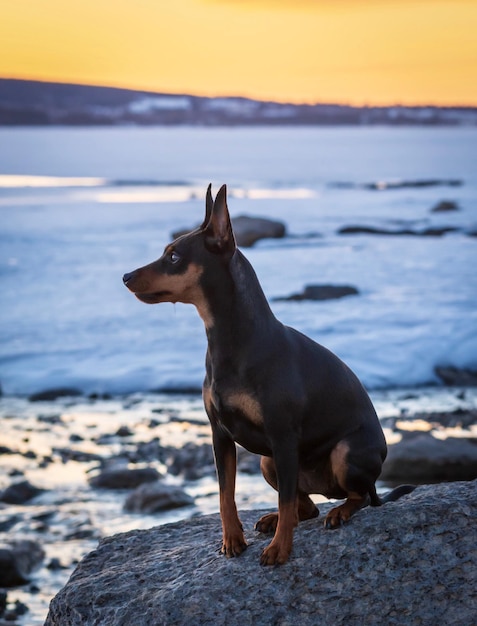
[{"x": 236, "y": 314}]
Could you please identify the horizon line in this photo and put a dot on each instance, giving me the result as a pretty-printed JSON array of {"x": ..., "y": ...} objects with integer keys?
[{"x": 235, "y": 96}]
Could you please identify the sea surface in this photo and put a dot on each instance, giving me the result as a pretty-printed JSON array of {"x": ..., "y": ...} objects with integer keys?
[{"x": 80, "y": 207}]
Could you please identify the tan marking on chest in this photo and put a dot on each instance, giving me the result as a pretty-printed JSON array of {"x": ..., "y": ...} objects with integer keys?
[
  {"x": 203, "y": 309},
  {"x": 246, "y": 404},
  {"x": 207, "y": 398}
]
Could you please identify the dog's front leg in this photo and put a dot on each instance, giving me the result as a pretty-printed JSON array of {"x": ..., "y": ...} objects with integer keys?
[
  {"x": 226, "y": 464},
  {"x": 285, "y": 456}
]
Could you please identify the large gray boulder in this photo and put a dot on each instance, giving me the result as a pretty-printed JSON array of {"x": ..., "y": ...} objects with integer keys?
[
  {"x": 424, "y": 458},
  {"x": 409, "y": 562},
  {"x": 249, "y": 229}
]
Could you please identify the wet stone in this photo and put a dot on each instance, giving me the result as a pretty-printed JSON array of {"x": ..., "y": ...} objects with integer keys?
[
  {"x": 124, "y": 478},
  {"x": 156, "y": 497},
  {"x": 18, "y": 560},
  {"x": 20, "y": 493}
]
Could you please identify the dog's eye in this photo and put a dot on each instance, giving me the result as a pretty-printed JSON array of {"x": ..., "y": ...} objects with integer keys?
[{"x": 174, "y": 257}]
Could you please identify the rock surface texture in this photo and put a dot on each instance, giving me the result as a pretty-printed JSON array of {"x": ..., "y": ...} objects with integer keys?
[{"x": 409, "y": 562}]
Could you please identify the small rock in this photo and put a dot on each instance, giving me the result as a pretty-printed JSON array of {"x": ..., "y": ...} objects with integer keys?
[
  {"x": 410, "y": 184},
  {"x": 82, "y": 533},
  {"x": 148, "y": 451},
  {"x": 55, "y": 564},
  {"x": 459, "y": 377},
  {"x": 374, "y": 230},
  {"x": 155, "y": 497},
  {"x": 436, "y": 231},
  {"x": 321, "y": 292},
  {"x": 19, "y": 493},
  {"x": 19, "y": 609},
  {"x": 6, "y": 523},
  {"x": 192, "y": 461},
  {"x": 124, "y": 478},
  {"x": 124, "y": 431},
  {"x": 50, "y": 419},
  {"x": 18, "y": 560},
  {"x": 444, "y": 206},
  {"x": 15, "y": 472},
  {"x": 53, "y": 394},
  {"x": 99, "y": 396},
  {"x": 67, "y": 454}
]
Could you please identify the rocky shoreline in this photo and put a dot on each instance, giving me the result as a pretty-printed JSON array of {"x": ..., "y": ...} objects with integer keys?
[{"x": 75, "y": 470}]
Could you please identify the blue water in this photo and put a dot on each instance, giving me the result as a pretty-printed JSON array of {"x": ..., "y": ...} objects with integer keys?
[{"x": 79, "y": 207}]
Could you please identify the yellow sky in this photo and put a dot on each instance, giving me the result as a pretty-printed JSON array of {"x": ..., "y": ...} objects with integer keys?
[{"x": 348, "y": 51}]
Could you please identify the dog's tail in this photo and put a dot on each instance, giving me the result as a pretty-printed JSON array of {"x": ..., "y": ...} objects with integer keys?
[{"x": 391, "y": 496}]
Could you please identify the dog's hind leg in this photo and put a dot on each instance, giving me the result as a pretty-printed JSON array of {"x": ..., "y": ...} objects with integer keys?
[{"x": 356, "y": 476}]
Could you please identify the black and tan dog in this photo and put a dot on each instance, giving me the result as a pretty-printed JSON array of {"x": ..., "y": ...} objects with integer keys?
[{"x": 269, "y": 388}]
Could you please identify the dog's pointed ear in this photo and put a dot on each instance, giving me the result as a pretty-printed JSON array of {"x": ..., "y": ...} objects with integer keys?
[
  {"x": 219, "y": 236},
  {"x": 209, "y": 203}
]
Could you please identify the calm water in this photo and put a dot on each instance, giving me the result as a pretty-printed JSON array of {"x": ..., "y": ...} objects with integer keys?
[{"x": 79, "y": 207}]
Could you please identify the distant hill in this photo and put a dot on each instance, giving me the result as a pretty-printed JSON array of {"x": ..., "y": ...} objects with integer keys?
[{"x": 35, "y": 103}]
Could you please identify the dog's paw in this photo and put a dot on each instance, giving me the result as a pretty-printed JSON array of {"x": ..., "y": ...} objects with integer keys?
[
  {"x": 234, "y": 545},
  {"x": 334, "y": 521},
  {"x": 268, "y": 523},
  {"x": 342, "y": 513},
  {"x": 337, "y": 517},
  {"x": 275, "y": 554}
]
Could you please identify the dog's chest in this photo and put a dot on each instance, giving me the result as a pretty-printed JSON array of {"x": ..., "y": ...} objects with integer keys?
[
  {"x": 244, "y": 404},
  {"x": 238, "y": 412},
  {"x": 236, "y": 407}
]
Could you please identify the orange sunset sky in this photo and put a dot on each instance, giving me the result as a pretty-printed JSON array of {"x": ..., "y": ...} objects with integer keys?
[{"x": 346, "y": 51}]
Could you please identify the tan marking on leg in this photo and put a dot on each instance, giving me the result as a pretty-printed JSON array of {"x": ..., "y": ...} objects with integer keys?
[
  {"x": 233, "y": 538},
  {"x": 280, "y": 547}
]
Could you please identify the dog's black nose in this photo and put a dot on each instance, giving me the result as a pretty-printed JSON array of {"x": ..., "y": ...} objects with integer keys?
[{"x": 127, "y": 277}]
